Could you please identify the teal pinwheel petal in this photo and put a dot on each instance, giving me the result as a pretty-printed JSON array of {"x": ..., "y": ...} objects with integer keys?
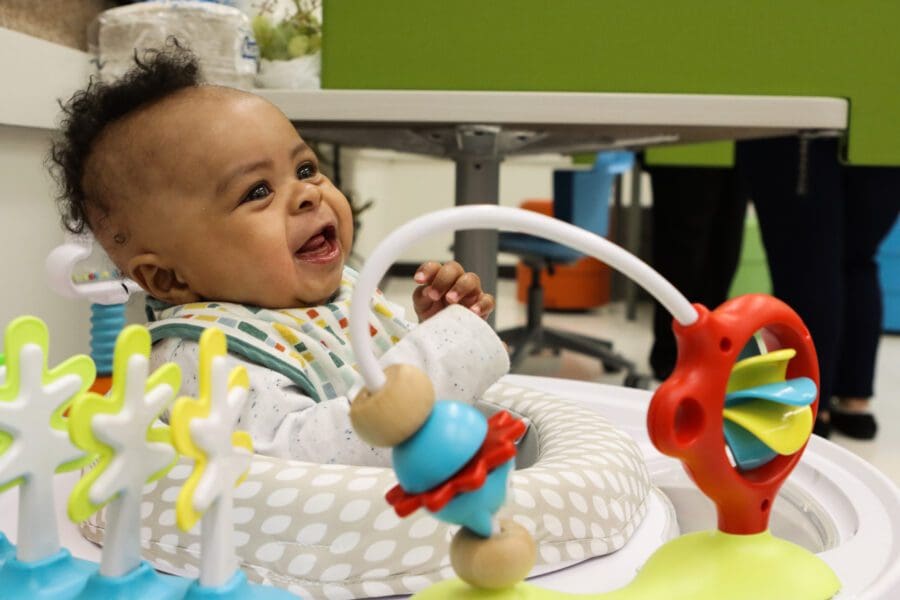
[
  {"x": 748, "y": 451},
  {"x": 800, "y": 391}
]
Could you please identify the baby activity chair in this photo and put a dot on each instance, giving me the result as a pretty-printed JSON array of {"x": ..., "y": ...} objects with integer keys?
[
  {"x": 737, "y": 411},
  {"x": 339, "y": 527}
]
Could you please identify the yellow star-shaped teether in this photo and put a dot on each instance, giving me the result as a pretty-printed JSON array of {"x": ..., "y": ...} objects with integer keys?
[
  {"x": 122, "y": 428},
  {"x": 203, "y": 429},
  {"x": 34, "y": 439}
]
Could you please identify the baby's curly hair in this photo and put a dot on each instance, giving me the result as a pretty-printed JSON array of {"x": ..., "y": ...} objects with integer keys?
[{"x": 156, "y": 75}]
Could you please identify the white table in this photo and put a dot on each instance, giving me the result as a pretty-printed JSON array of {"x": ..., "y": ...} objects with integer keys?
[{"x": 478, "y": 129}]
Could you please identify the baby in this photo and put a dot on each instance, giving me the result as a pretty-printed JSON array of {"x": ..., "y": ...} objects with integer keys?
[{"x": 210, "y": 200}]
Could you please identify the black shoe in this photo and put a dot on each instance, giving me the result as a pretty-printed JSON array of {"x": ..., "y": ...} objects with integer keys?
[
  {"x": 860, "y": 426},
  {"x": 822, "y": 428}
]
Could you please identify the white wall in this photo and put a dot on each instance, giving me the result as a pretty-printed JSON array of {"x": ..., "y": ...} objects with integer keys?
[
  {"x": 404, "y": 186},
  {"x": 35, "y": 74},
  {"x": 28, "y": 231}
]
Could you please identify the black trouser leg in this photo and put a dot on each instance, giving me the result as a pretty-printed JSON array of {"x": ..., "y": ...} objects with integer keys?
[
  {"x": 698, "y": 223},
  {"x": 872, "y": 200},
  {"x": 800, "y": 209}
]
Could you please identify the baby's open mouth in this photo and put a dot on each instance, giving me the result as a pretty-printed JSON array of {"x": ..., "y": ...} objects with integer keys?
[{"x": 322, "y": 247}]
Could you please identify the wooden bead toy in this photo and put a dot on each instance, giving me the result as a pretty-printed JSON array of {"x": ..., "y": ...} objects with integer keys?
[
  {"x": 392, "y": 414},
  {"x": 497, "y": 562}
]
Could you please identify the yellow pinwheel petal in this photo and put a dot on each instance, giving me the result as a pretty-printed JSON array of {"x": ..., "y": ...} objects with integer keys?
[
  {"x": 760, "y": 370},
  {"x": 782, "y": 427}
]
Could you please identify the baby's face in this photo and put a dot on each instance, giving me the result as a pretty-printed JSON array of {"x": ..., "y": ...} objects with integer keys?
[{"x": 239, "y": 210}]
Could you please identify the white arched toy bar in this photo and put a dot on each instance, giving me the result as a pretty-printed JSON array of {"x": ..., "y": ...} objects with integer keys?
[
  {"x": 507, "y": 219},
  {"x": 399, "y": 409}
]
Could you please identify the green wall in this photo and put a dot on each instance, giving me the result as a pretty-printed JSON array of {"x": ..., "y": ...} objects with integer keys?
[{"x": 839, "y": 48}]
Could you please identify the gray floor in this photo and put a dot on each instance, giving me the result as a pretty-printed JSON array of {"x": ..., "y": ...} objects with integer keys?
[{"x": 632, "y": 338}]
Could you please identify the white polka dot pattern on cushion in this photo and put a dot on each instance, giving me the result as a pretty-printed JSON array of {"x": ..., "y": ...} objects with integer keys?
[
  {"x": 312, "y": 534},
  {"x": 380, "y": 550},
  {"x": 291, "y": 474},
  {"x": 337, "y": 572},
  {"x": 361, "y": 483},
  {"x": 282, "y": 497},
  {"x": 345, "y": 542},
  {"x": 325, "y": 531},
  {"x": 417, "y": 556},
  {"x": 318, "y": 504},
  {"x": 248, "y": 489},
  {"x": 326, "y": 479},
  {"x": 387, "y": 520},
  {"x": 302, "y": 564},
  {"x": 337, "y": 592},
  {"x": 270, "y": 552},
  {"x": 423, "y": 526},
  {"x": 241, "y": 538},
  {"x": 275, "y": 524},
  {"x": 242, "y": 514},
  {"x": 355, "y": 510}
]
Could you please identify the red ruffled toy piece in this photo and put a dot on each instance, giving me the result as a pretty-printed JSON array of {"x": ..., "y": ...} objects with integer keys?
[{"x": 499, "y": 446}]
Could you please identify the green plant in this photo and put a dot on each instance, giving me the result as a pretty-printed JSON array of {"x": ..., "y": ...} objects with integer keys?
[{"x": 295, "y": 36}]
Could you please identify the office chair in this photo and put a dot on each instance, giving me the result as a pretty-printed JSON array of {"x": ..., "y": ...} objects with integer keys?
[{"x": 580, "y": 198}]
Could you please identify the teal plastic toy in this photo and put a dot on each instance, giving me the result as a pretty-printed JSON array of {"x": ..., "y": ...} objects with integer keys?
[
  {"x": 237, "y": 588},
  {"x": 6, "y": 549},
  {"x": 475, "y": 510},
  {"x": 59, "y": 575},
  {"x": 142, "y": 582},
  {"x": 450, "y": 437}
]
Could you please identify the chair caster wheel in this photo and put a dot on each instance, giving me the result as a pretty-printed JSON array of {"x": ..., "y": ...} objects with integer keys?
[
  {"x": 641, "y": 382},
  {"x": 497, "y": 562},
  {"x": 610, "y": 368}
]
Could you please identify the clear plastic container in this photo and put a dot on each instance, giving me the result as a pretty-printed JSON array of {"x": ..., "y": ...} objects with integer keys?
[{"x": 219, "y": 35}]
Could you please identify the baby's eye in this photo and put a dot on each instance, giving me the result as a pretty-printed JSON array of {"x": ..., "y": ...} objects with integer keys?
[
  {"x": 260, "y": 191},
  {"x": 306, "y": 171}
]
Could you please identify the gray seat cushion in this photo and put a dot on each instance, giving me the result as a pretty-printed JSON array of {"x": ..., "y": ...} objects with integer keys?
[{"x": 325, "y": 531}]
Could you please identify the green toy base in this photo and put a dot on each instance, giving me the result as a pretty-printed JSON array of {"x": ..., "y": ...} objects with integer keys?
[{"x": 707, "y": 565}]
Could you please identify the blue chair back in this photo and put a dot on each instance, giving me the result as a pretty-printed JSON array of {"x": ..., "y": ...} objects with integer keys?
[{"x": 582, "y": 197}]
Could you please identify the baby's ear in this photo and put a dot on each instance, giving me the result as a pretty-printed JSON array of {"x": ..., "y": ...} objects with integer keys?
[{"x": 160, "y": 281}]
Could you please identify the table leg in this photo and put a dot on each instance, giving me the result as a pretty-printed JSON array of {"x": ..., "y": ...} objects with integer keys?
[
  {"x": 633, "y": 240},
  {"x": 478, "y": 182}
]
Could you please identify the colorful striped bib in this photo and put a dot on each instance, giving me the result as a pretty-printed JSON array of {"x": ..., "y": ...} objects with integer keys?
[{"x": 310, "y": 346}]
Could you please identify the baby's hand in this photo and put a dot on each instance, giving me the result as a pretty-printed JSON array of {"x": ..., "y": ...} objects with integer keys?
[{"x": 442, "y": 285}]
